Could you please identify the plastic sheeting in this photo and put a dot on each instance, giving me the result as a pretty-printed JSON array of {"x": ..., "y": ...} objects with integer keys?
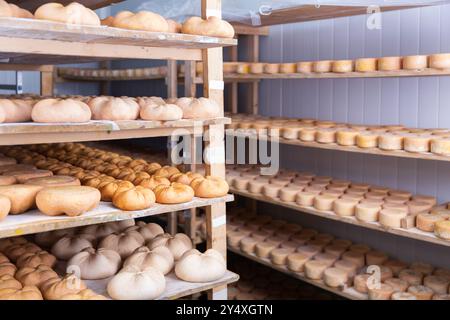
[{"x": 250, "y": 11}]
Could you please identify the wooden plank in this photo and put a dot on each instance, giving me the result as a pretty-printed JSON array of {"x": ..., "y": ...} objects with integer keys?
[
  {"x": 171, "y": 79},
  {"x": 47, "y": 83},
  {"x": 33, "y": 221},
  {"x": 243, "y": 29},
  {"x": 349, "y": 292},
  {"x": 353, "y": 149},
  {"x": 25, "y": 67},
  {"x": 412, "y": 233},
  {"x": 190, "y": 86},
  {"x": 32, "y": 5},
  {"x": 175, "y": 288}
]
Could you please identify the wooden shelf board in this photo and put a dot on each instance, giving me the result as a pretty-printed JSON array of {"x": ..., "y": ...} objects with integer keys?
[
  {"x": 412, "y": 233},
  {"x": 329, "y": 75},
  {"x": 25, "y": 39},
  {"x": 354, "y": 149},
  {"x": 243, "y": 29},
  {"x": 32, "y": 5},
  {"x": 34, "y": 221},
  {"x": 30, "y": 132},
  {"x": 175, "y": 288},
  {"x": 349, "y": 293}
]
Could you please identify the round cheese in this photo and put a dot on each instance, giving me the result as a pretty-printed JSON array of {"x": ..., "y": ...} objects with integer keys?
[
  {"x": 415, "y": 207},
  {"x": 288, "y": 194},
  {"x": 329, "y": 259},
  {"x": 271, "y": 68},
  {"x": 314, "y": 269},
  {"x": 366, "y": 140},
  {"x": 342, "y": 242},
  {"x": 422, "y": 267},
  {"x": 248, "y": 244},
  {"x": 396, "y": 266},
  {"x": 378, "y": 189},
  {"x": 428, "y": 199},
  {"x": 349, "y": 267},
  {"x": 397, "y": 284},
  {"x": 354, "y": 197},
  {"x": 356, "y": 192},
  {"x": 292, "y": 245},
  {"x": 376, "y": 258},
  {"x": 326, "y": 136},
  {"x": 389, "y": 63},
  {"x": 346, "y": 137},
  {"x": 335, "y": 277},
  {"x": 361, "y": 248},
  {"x": 256, "y": 68},
  {"x": 396, "y": 199},
  {"x": 390, "y": 141},
  {"x": 367, "y": 212},
  {"x": 415, "y": 62},
  {"x": 427, "y": 222},
  {"x": 440, "y": 146},
  {"x": 256, "y": 186},
  {"x": 416, "y": 143},
  {"x": 241, "y": 183},
  {"x": 279, "y": 256},
  {"x": 243, "y": 68},
  {"x": 341, "y": 66},
  {"x": 290, "y": 133},
  {"x": 288, "y": 68},
  {"x": 442, "y": 229},
  {"x": 322, "y": 66},
  {"x": 375, "y": 195},
  {"x": 360, "y": 282},
  {"x": 366, "y": 64},
  {"x": 391, "y": 217},
  {"x": 380, "y": 292},
  {"x": 305, "y": 198},
  {"x": 259, "y": 235},
  {"x": 439, "y": 284},
  {"x": 356, "y": 258},
  {"x": 234, "y": 238},
  {"x": 335, "y": 250},
  {"x": 271, "y": 190},
  {"x": 307, "y": 134},
  {"x": 324, "y": 202},
  {"x": 309, "y": 250},
  {"x": 439, "y": 61},
  {"x": 413, "y": 277},
  {"x": 441, "y": 297},
  {"x": 304, "y": 66},
  {"x": 296, "y": 261},
  {"x": 263, "y": 249},
  {"x": 361, "y": 186},
  {"x": 421, "y": 292}
]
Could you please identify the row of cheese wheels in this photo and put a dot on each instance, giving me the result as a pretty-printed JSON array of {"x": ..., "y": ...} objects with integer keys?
[
  {"x": 383, "y": 137},
  {"x": 113, "y": 73},
  {"x": 367, "y": 203},
  {"x": 337, "y": 262},
  {"x": 417, "y": 62},
  {"x": 82, "y": 109},
  {"x": 78, "y": 14}
]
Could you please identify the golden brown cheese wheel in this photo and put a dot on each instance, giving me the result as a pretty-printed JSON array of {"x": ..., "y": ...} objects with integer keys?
[
  {"x": 391, "y": 217},
  {"x": 416, "y": 143},
  {"x": 396, "y": 266},
  {"x": 421, "y": 292},
  {"x": 367, "y": 140},
  {"x": 366, "y": 64},
  {"x": 335, "y": 277},
  {"x": 439, "y": 284},
  {"x": 314, "y": 269},
  {"x": 411, "y": 276},
  {"x": 355, "y": 257},
  {"x": 389, "y": 63},
  {"x": 439, "y": 61},
  {"x": 415, "y": 62},
  {"x": 380, "y": 292},
  {"x": 427, "y": 222},
  {"x": 376, "y": 258},
  {"x": 360, "y": 282},
  {"x": 256, "y": 68},
  {"x": 341, "y": 66},
  {"x": 264, "y": 248},
  {"x": 390, "y": 141},
  {"x": 322, "y": 66},
  {"x": 296, "y": 261},
  {"x": 287, "y": 68},
  {"x": 346, "y": 137},
  {"x": 442, "y": 229},
  {"x": 344, "y": 207},
  {"x": 271, "y": 68},
  {"x": 440, "y": 146},
  {"x": 367, "y": 212},
  {"x": 304, "y": 66},
  {"x": 307, "y": 134},
  {"x": 326, "y": 135}
]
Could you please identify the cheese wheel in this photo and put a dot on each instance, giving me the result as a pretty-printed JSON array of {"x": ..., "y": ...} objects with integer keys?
[
  {"x": 296, "y": 261},
  {"x": 396, "y": 200},
  {"x": 309, "y": 250},
  {"x": 360, "y": 282},
  {"x": 355, "y": 257},
  {"x": 380, "y": 292},
  {"x": 290, "y": 133},
  {"x": 360, "y": 248},
  {"x": 234, "y": 238},
  {"x": 280, "y": 181},
  {"x": 439, "y": 61},
  {"x": 346, "y": 137},
  {"x": 378, "y": 189},
  {"x": 349, "y": 267},
  {"x": 241, "y": 183},
  {"x": 322, "y": 66},
  {"x": 428, "y": 199},
  {"x": 271, "y": 190},
  {"x": 324, "y": 202},
  {"x": 422, "y": 267},
  {"x": 441, "y": 297},
  {"x": 341, "y": 66},
  {"x": 376, "y": 258},
  {"x": 391, "y": 217},
  {"x": 335, "y": 277},
  {"x": 390, "y": 141},
  {"x": 403, "y": 296},
  {"x": 243, "y": 68},
  {"x": 256, "y": 186},
  {"x": 335, "y": 250},
  {"x": 305, "y": 198},
  {"x": 366, "y": 64},
  {"x": 288, "y": 194},
  {"x": 413, "y": 277},
  {"x": 264, "y": 248},
  {"x": 299, "y": 239},
  {"x": 421, "y": 292},
  {"x": 427, "y": 222},
  {"x": 442, "y": 229},
  {"x": 356, "y": 192},
  {"x": 415, "y": 207},
  {"x": 366, "y": 140},
  {"x": 389, "y": 63},
  {"x": 342, "y": 242},
  {"x": 328, "y": 258},
  {"x": 367, "y": 212},
  {"x": 439, "y": 284},
  {"x": 440, "y": 146},
  {"x": 361, "y": 186},
  {"x": 345, "y": 207},
  {"x": 259, "y": 235},
  {"x": 398, "y": 285},
  {"x": 288, "y": 67},
  {"x": 416, "y": 143},
  {"x": 271, "y": 68},
  {"x": 396, "y": 266},
  {"x": 256, "y": 68},
  {"x": 279, "y": 256},
  {"x": 326, "y": 136},
  {"x": 442, "y": 272},
  {"x": 307, "y": 134},
  {"x": 314, "y": 269},
  {"x": 248, "y": 244},
  {"x": 304, "y": 66},
  {"x": 324, "y": 237},
  {"x": 354, "y": 197},
  {"x": 292, "y": 245},
  {"x": 415, "y": 62}
]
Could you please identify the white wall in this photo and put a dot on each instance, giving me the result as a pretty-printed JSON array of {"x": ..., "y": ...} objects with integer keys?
[{"x": 416, "y": 102}]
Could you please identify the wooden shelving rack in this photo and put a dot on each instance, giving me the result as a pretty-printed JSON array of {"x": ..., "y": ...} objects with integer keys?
[{"x": 34, "y": 44}]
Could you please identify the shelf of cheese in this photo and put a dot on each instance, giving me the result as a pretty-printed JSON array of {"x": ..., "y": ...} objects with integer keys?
[
  {"x": 29, "y": 132},
  {"x": 175, "y": 288},
  {"x": 92, "y": 4},
  {"x": 349, "y": 293},
  {"x": 34, "y": 221},
  {"x": 45, "y": 42}
]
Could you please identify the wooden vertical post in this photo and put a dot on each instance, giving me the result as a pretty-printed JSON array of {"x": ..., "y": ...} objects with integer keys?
[
  {"x": 254, "y": 57},
  {"x": 47, "y": 82},
  {"x": 234, "y": 84},
  {"x": 104, "y": 85},
  {"x": 190, "y": 74},
  {"x": 215, "y": 144},
  {"x": 172, "y": 83}
]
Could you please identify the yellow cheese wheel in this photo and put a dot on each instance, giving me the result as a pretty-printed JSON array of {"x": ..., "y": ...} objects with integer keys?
[
  {"x": 243, "y": 68},
  {"x": 314, "y": 269},
  {"x": 344, "y": 207},
  {"x": 324, "y": 202},
  {"x": 304, "y": 66},
  {"x": 256, "y": 68},
  {"x": 440, "y": 146},
  {"x": 413, "y": 277},
  {"x": 397, "y": 284},
  {"x": 271, "y": 68},
  {"x": 341, "y": 66},
  {"x": 367, "y": 140},
  {"x": 367, "y": 212},
  {"x": 391, "y": 217},
  {"x": 355, "y": 257},
  {"x": 442, "y": 229},
  {"x": 288, "y": 68},
  {"x": 389, "y": 63},
  {"x": 380, "y": 292},
  {"x": 390, "y": 141},
  {"x": 360, "y": 282},
  {"x": 346, "y": 137},
  {"x": 279, "y": 256},
  {"x": 263, "y": 249},
  {"x": 305, "y": 198},
  {"x": 335, "y": 277},
  {"x": 439, "y": 284},
  {"x": 366, "y": 64},
  {"x": 307, "y": 134},
  {"x": 326, "y": 135},
  {"x": 427, "y": 222},
  {"x": 415, "y": 62},
  {"x": 439, "y": 61},
  {"x": 376, "y": 258},
  {"x": 296, "y": 261},
  {"x": 421, "y": 292},
  {"x": 271, "y": 190},
  {"x": 396, "y": 266},
  {"x": 415, "y": 206},
  {"x": 416, "y": 143},
  {"x": 322, "y": 66},
  {"x": 403, "y": 296}
]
